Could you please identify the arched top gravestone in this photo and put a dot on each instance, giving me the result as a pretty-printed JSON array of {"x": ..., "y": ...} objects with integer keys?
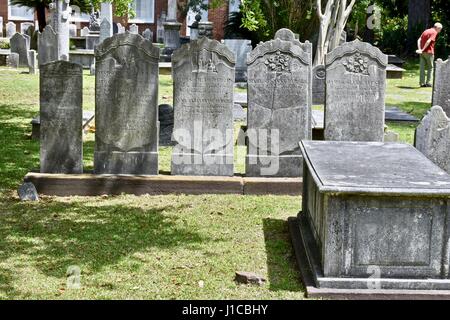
[
  {"x": 355, "y": 92},
  {"x": 441, "y": 88},
  {"x": 47, "y": 45}
]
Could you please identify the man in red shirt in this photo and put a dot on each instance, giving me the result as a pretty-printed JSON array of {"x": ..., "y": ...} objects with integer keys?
[{"x": 425, "y": 46}]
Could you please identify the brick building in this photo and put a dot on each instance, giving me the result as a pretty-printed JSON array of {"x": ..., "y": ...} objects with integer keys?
[{"x": 147, "y": 14}]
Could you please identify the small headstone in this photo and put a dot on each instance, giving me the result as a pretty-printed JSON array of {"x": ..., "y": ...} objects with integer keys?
[
  {"x": 241, "y": 49},
  {"x": 355, "y": 93},
  {"x": 72, "y": 30},
  {"x": 203, "y": 78},
  {"x": 27, "y": 192},
  {"x": 120, "y": 28},
  {"x": 441, "y": 89},
  {"x": 318, "y": 85},
  {"x": 249, "y": 278},
  {"x": 148, "y": 34},
  {"x": 105, "y": 30},
  {"x": 24, "y": 27},
  {"x": 20, "y": 43},
  {"x": 134, "y": 29},
  {"x": 92, "y": 69},
  {"x": 84, "y": 32},
  {"x": 391, "y": 136},
  {"x": 10, "y": 29},
  {"x": 61, "y": 117},
  {"x": 47, "y": 43},
  {"x": 126, "y": 121},
  {"x": 433, "y": 137},
  {"x": 279, "y": 106},
  {"x": 12, "y": 60},
  {"x": 32, "y": 62},
  {"x": 239, "y": 114}
]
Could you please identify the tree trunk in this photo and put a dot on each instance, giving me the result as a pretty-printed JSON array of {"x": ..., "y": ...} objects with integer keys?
[
  {"x": 419, "y": 16},
  {"x": 40, "y": 9}
]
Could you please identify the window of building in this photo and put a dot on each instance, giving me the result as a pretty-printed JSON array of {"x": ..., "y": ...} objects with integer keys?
[
  {"x": 78, "y": 16},
  {"x": 20, "y": 13},
  {"x": 145, "y": 11}
]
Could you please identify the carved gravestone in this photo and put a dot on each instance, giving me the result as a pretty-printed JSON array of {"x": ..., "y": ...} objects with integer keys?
[
  {"x": 61, "y": 117},
  {"x": 47, "y": 45},
  {"x": 355, "y": 93},
  {"x": 433, "y": 137},
  {"x": 148, "y": 34},
  {"x": 10, "y": 29},
  {"x": 105, "y": 30},
  {"x": 279, "y": 106},
  {"x": 203, "y": 78},
  {"x": 126, "y": 99},
  {"x": 134, "y": 29},
  {"x": 318, "y": 85},
  {"x": 12, "y": 60},
  {"x": 441, "y": 88},
  {"x": 20, "y": 43}
]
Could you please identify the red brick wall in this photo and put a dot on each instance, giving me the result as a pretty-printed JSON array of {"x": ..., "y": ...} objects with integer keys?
[{"x": 218, "y": 17}]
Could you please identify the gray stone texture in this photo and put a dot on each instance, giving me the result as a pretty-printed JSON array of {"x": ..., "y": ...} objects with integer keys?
[
  {"x": 126, "y": 99},
  {"x": 32, "y": 62},
  {"x": 363, "y": 216},
  {"x": 203, "y": 78},
  {"x": 61, "y": 117},
  {"x": 72, "y": 30},
  {"x": 279, "y": 100},
  {"x": 433, "y": 137},
  {"x": 20, "y": 43},
  {"x": 60, "y": 12},
  {"x": 12, "y": 60},
  {"x": 24, "y": 27},
  {"x": 105, "y": 30},
  {"x": 441, "y": 88},
  {"x": 84, "y": 32},
  {"x": 148, "y": 34},
  {"x": 355, "y": 93},
  {"x": 241, "y": 48},
  {"x": 27, "y": 192},
  {"x": 134, "y": 29},
  {"x": 165, "y": 116},
  {"x": 318, "y": 85},
  {"x": 47, "y": 45}
]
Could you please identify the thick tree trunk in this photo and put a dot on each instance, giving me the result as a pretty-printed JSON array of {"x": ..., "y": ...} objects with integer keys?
[
  {"x": 40, "y": 9},
  {"x": 419, "y": 16}
]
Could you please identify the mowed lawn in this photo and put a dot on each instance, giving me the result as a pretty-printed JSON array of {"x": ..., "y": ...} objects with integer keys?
[{"x": 148, "y": 247}]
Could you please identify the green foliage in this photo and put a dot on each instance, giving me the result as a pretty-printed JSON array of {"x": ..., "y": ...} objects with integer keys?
[
  {"x": 393, "y": 35},
  {"x": 4, "y": 44}
]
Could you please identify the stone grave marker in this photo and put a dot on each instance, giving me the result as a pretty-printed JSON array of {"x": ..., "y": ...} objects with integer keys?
[
  {"x": 203, "y": 78},
  {"x": 105, "y": 30},
  {"x": 441, "y": 88},
  {"x": 32, "y": 62},
  {"x": 148, "y": 34},
  {"x": 47, "y": 45},
  {"x": 126, "y": 99},
  {"x": 279, "y": 106},
  {"x": 24, "y": 27},
  {"x": 134, "y": 29},
  {"x": 433, "y": 137},
  {"x": 318, "y": 85},
  {"x": 84, "y": 32},
  {"x": 61, "y": 117},
  {"x": 355, "y": 93},
  {"x": 20, "y": 43},
  {"x": 120, "y": 28},
  {"x": 12, "y": 60}
]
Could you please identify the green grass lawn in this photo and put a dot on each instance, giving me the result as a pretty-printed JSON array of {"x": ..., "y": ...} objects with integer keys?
[{"x": 148, "y": 247}]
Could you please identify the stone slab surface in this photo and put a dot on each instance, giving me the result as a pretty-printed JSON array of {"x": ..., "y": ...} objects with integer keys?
[{"x": 373, "y": 167}]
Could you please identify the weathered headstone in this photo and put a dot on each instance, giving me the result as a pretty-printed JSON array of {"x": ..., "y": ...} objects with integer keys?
[
  {"x": 10, "y": 29},
  {"x": 134, "y": 29},
  {"x": 27, "y": 192},
  {"x": 433, "y": 137},
  {"x": 391, "y": 136},
  {"x": 148, "y": 34},
  {"x": 120, "y": 28},
  {"x": 441, "y": 88},
  {"x": 12, "y": 60},
  {"x": 84, "y": 32},
  {"x": 171, "y": 28},
  {"x": 106, "y": 12},
  {"x": 241, "y": 49},
  {"x": 72, "y": 30},
  {"x": 24, "y": 27},
  {"x": 318, "y": 85},
  {"x": 105, "y": 30},
  {"x": 126, "y": 99},
  {"x": 203, "y": 78},
  {"x": 47, "y": 46},
  {"x": 279, "y": 106},
  {"x": 20, "y": 43},
  {"x": 165, "y": 116},
  {"x": 60, "y": 12},
  {"x": 355, "y": 93},
  {"x": 32, "y": 62},
  {"x": 61, "y": 116}
]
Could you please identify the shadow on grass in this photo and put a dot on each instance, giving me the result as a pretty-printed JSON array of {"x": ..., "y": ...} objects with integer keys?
[
  {"x": 55, "y": 235},
  {"x": 417, "y": 109},
  {"x": 281, "y": 265}
]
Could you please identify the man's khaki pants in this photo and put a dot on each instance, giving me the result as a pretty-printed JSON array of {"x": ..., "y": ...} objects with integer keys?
[{"x": 426, "y": 63}]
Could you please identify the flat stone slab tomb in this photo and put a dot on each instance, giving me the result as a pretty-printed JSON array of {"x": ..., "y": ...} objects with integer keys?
[{"x": 374, "y": 222}]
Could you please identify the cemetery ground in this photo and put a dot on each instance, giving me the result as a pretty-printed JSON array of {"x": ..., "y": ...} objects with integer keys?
[{"x": 147, "y": 247}]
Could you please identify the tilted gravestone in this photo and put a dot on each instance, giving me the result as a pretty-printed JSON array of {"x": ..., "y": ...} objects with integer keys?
[
  {"x": 20, "y": 43},
  {"x": 10, "y": 29},
  {"x": 126, "y": 100},
  {"x": 433, "y": 137},
  {"x": 441, "y": 88},
  {"x": 355, "y": 93},
  {"x": 203, "y": 78},
  {"x": 318, "y": 85},
  {"x": 61, "y": 117},
  {"x": 279, "y": 106},
  {"x": 47, "y": 46}
]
